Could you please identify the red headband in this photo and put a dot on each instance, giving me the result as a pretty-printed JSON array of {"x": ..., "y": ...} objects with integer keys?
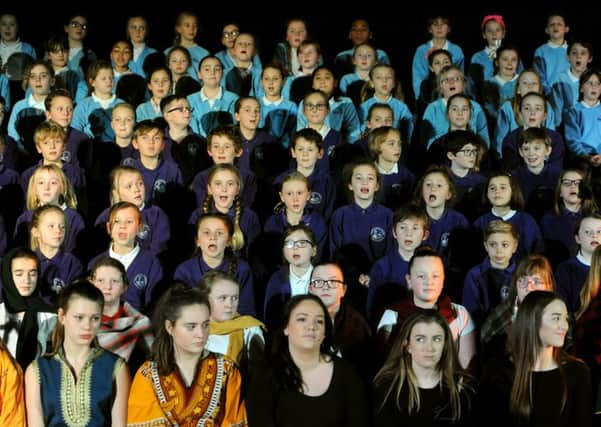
[{"x": 497, "y": 18}]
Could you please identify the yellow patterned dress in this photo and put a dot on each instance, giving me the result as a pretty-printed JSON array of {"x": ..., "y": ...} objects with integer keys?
[{"x": 213, "y": 399}]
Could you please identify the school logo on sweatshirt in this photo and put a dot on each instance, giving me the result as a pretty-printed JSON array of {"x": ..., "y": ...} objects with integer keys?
[
  {"x": 444, "y": 240},
  {"x": 128, "y": 161},
  {"x": 140, "y": 281},
  {"x": 160, "y": 185},
  {"x": 504, "y": 293},
  {"x": 143, "y": 233},
  {"x": 66, "y": 157},
  {"x": 315, "y": 198},
  {"x": 192, "y": 148},
  {"x": 377, "y": 234},
  {"x": 58, "y": 285}
]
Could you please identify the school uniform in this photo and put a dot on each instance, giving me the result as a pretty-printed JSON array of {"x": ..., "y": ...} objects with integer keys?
[
  {"x": 390, "y": 269},
  {"x": 190, "y": 154},
  {"x": 496, "y": 91},
  {"x": 57, "y": 273},
  {"x": 157, "y": 181},
  {"x": 136, "y": 64},
  {"x": 278, "y": 223},
  {"x": 261, "y": 139},
  {"x": 564, "y": 94},
  {"x": 208, "y": 114},
  {"x": 197, "y": 54},
  {"x": 5, "y": 91},
  {"x": 570, "y": 276},
  {"x": 243, "y": 82},
  {"x": 75, "y": 139},
  {"x": 402, "y": 118},
  {"x": 331, "y": 139},
  {"x": 8, "y": 176},
  {"x": 249, "y": 186},
  {"x": 442, "y": 228},
  {"x": 549, "y": 60},
  {"x": 420, "y": 67},
  {"x": 344, "y": 60},
  {"x": 343, "y": 117},
  {"x": 396, "y": 186},
  {"x": 510, "y": 150},
  {"x": 93, "y": 117},
  {"x": 228, "y": 62},
  {"x": 582, "y": 129},
  {"x": 25, "y": 116},
  {"x": 323, "y": 191},
  {"x": 278, "y": 118},
  {"x": 283, "y": 285},
  {"x": 148, "y": 111},
  {"x": 531, "y": 183},
  {"x": 72, "y": 171},
  {"x": 558, "y": 230},
  {"x": 192, "y": 271}
]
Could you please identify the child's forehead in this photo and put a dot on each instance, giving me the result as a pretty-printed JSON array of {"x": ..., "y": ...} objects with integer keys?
[
  {"x": 48, "y": 174},
  {"x": 300, "y": 141},
  {"x": 220, "y": 139},
  {"x": 534, "y": 143},
  {"x": 500, "y": 235},
  {"x": 435, "y": 176},
  {"x": 499, "y": 180},
  {"x": 380, "y": 70},
  {"x": 130, "y": 175},
  {"x": 225, "y": 175},
  {"x": 427, "y": 263},
  {"x": 590, "y": 222},
  {"x": 249, "y": 102},
  {"x": 459, "y": 100},
  {"x": 411, "y": 220},
  {"x": 365, "y": 170},
  {"x": 294, "y": 184},
  {"x": 122, "y": 111},
  {"x": 150, "y": 132}
]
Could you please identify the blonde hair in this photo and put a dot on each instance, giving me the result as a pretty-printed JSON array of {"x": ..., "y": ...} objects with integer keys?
[
  {"x": 36, "y": 218},
  {"x": 591, "y": 286},
  {"x": 67, "y": 194},
  {"x": 49, "y": 130},
  {"x": 116, "y": 175}
]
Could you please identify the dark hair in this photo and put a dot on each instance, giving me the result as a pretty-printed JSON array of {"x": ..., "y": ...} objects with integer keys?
[
  {"x": 107, "y": 261},
  {"x": 310, "y": 135},
  {"x": 411, "y": 211},
  {"x": 533, "y": 134},
  {"x": 286, "y": 374},
  {"x": 210, "y": 278},
  {"x": 423, "y": 252},
  {"x": 169, "y": 307}
]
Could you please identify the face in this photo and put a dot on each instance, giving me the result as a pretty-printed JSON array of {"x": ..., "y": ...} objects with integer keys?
[
  {"x": 579, "y": 57},
  {"x": 229, "y": 34},
  {"x": 187, "y": 28},
  {"x": 568, "y": 190},
  {"x": 190, "y": 330},
  {"x": 533, "y": 111},
  {"x": 332, "y": 291},
  {"x": 50, "y": 230},
  {"x": 58, "y": 57},
  {"x": 47, "y": 187},
  {"x": 306, "y": 153},
  {"x": 436, "y": 190},
  {"x": 364, "y": 183},
  {"x": 296, "y": 33},
  {"x": 589, "y": 235},
  {"x": 508, "y": 63},
  {"x": 212, "y": 237},
  {"x": 493, "y": 33},
  {"x": 359, "y": 32},
  {"x": 210, "y": 72},
  {"x": 224, "y": 187},
  {"x": 224, "y": 298},
  {"x": 534, "y": 282},
  {"x": 409, "y": 234},
  {"x": 123, "y": 121},
  {"x": 110, "y": 282},
  {"x": 160, "y": 84},
  {"x": 77, "y": 28},
  {"x": 439, "y": 61},
  {"x": 61, "y": 111},
  {"x": 130, "y": 188},
  {"x": 306, "y": 326},
  {"x": 124, "y": 226},
  {"x": 528, "y": 82},
  {"x": 379, "y": 117},
  {"x": 500, "y": 247},
  {"x": 426, "y": 343},
  {"x": 272, "y": 82},
  {"x": 149, "y": 144},
  {"x": 383, "y": 81},
  {"x": 249, "y": 114},
  {"x": 40, "y": 80},
  {"x": 459, "y": 112},
  {"x": 499, "y": 191},
  {"x": 296, "y": 255},
  {"x": 295, "y": 196},
  {"x": 324, "y": 81},
  {"x": 244, "y": 47},
  {"x": 466, "y": 157},
  {"x": 223, "y": 150},
  {"x": 137, "y": 29},
  {"x": 535, "y": 154},
  {"x": 316, "y": 108},
  {"x": 426, "y": 279},
  {"x": 556, "y": 28},
  {"x": 51, "y": 148},
  {"x": 308, "y": 57},
  {"x": 390, "y": 149},
  {"x": 452, "y": 82},
  {"x": 554, "y": 324},
  {"x": 103, "y": 83},
  {"x": 591, "y": 89},
  {"x": 178, "y": 113},
  {"x": 121, "y": 54},
  {"x": 439, "y": 29},
  {"x": 178, "y": 63},
  {"x": 8, "y": 28},
  {"x": 25, "y": 275},
  {"x": 81, "y": 320},
  {"x": 365, "y": 58}
]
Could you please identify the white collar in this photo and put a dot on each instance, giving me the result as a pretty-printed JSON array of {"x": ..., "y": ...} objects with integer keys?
[
  {"x": 104, "y": 103},
  {"x": 126, "y": 259},
  {"x": 267, "y": 102},
  {"x": 507, "y": 216},
  {"x": 39, "y": 105},
  {"x": 580, "y": 258},
  {"x": 206, "y": 98},
  {"x": 589, "y": 106},
  {"x": 572, "y": 77},
  {"x": 556, "y": 46},
  {"x": 394, "y": 170}
]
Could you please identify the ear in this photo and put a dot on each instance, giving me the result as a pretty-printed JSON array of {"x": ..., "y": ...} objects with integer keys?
[
  {"x": 61, "y": 315},
  {"x": 320, "y": 154},
  {"x": 426, "y": 235},
  {"x": 286, "y": 331},
  {"x": 134, "y": 143},
  {"x": 344, "y": 290},
  {"x": 451, "y": 156},
  {"x": 169, "y": 327},
  {"x": 408, "y": 280},
  {"x": 238, "y": 153},
  {"x": 292, "y": 152},
  {"x": 37, "y": 148},
  {"x": 109, "y": 226}
]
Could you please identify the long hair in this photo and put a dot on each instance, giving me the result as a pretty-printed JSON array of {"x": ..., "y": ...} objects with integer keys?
[
  {"x": 528, "y": 266},
  {"x": 36, "y": 218},
  {"x": 398, "y": 373},
  {"x": 107, "y": 261},
  {"x": 590, "y": 290},
  {"x": 287, "y": 375},
  {"x": 67, "y": 194},
  {"x": 170, "y": 306},
  {"x": 526, "y": 345}
]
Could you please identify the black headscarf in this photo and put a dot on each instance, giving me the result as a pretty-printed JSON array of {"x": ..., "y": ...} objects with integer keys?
[{"x": 27, "y": 344}]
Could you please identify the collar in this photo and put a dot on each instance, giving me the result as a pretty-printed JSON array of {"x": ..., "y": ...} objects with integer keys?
[
  {"x": 104, "y": 103},
  {"x": 126, "y": 259},
  {"x": 556, "y": 46},
  {"x": 38, "y": 105},
  {"x": 267, "y": 102},
  {"x": 572, "y": 77},
  {"x": 507, "y": 216},
  {"x": 394, "y": 170},
  {"x": 206, "y": 98},
  {"x": 324, "y": 130},
  {"x": 580, "y": 258},
  {"x": 596, "y": 104},
  {"x": 502, "y": 80}
]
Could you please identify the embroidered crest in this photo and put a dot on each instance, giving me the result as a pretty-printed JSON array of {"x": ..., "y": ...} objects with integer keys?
[
  {"x": 128, "y": 161},
  {"x": 315, "y": 198},
  {"x": 140, "y": 281},
  {"x": 160, "y": 186},
  {"x": 444, "y": 240},
  {"x": 193, "y": 148},
  {"x": 58, "y": 285},
  {"x": 504, "y": 293},
  {"x": 377, "y": 234},
  {"x": 143, "y": 233},
  {"x": 66, "y": 157}
]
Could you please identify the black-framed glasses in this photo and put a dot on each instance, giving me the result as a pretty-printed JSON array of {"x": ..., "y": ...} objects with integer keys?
[
  {"x": 181, "y": 109},
  {"x": 76, "y": 24},
  {"x": 469, "y": 151},
  {"x": 230, "y": 34},
  {"x": 569, "y": 182},
  {"x": 326, "y": 283},
  {"x": 312, "y": 107},
  {"x": 294, "y": 244}
]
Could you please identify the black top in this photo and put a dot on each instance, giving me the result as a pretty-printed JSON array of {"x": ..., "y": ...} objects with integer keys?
[{"x": 344, "y": 403}]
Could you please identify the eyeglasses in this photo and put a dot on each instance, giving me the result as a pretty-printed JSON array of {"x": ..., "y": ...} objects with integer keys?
[
  {"x": 295, "y": 244},
  {"x": 452, "y": 79},
  {"x": 326, "y": 283},
  {"x": 313, "y": 107},
  {"x": 230, "y": 34},
  {"x": 181, "y": 109},
  {"x": 76, "y": 24},
  {"x": 569, "y": 182},
  {"x": 469, "y": 152},
  {"x": 536, "y": 282},
  {"x": 592, "y": 84}
]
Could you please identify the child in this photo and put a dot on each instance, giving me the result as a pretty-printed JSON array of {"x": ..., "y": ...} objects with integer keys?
[
  {"x": 159, "y": 86},
  {"x": 9, "y": 39},
  {"x": 178, "y": 62},
  {"x": 244, "y": 78},
  {"x": 278, "y": 115},
  {"x": 160, "y": 174},
  {"x": 143, "y": 268},
  {"x": 363, "y": 223},
  {"x": 501, "y": 86},
  {"x": 186, "y": 29},
  {"x": 215, "y": 234},
  {"x": 228, "y": 35},
  {"x": 387, "y": 90},
  {"x": 359, "y": 34},
  {"x": 398, "y": 182},
  {"x": 137, "y": 31},
  {"x": 13, "y": 407},
  {"x": 481, "y": 66},
  {"x": 437, "y": 60},
  {"x": 506, "y": 201},
  {"x": 564, "y": 91},
  {"x": 49, "y": 186},
  {"x": 121, "y": 54},
  {"x": 212, "y": 105},
  {"x": 299, "y": 251},
  {"x": 487, "y": 284},
  {"x": 411, "y": 228},
  {"x": 364, "y": 59},
  {"x": 127, "y": 185},
  {"x": 551, "y": 59},
  {"x": 57, "y": 267},
  {"x": 439, "y": 27},
  {"x": 309, "y": 58},
  {"x": 285, "y": 54},
  {"x": 571, "y": 274},
  {"x": 57, "y": 52},
  {"x": 224, "y": 146},
  {"x": 80, "y": 55},
  {"x": 378, "y": 115},
  {"x": 26, "y": 319},
  {"x": 92, "y": 114},
  {"x": 292, "y": 210},
  {"x": 123, "y": 122},
  {"x": 123, "y": 329},
  {"x": 238, "y": 337},
  {"x": 425, "y": 279}
]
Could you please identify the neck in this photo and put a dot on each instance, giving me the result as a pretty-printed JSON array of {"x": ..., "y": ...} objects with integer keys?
[
  {"x": 137, "y": 45},
  {"x": 307, "y": 172},
  {"x": 48, "y": 251},
  {"x": 75, "y": 43},
  {"x": 575, "y": 72},
  {"x": 305, "y": 360},
  {"x": 186, "y": 43},
  {"x": 426, "y": 377},
  {"x": 406, "y": 255},
  {"x": 248, "y": 134},
  {"x": 423, "y": 304},
  {"x": 501, "y": 210},
  {"x": 364, "y": 204},
  {"x": 121, "y": 68},
  {"x": 273, "y": 98},
  {"x": 150, "y": 162},
  {"x": 293, "y": 218},
  {"x": 459, "y": 170},
  {"x": 211, "y": 91},
  {"x": 382, "y": 96},
  {"x": 110, "y": 309},
  {"x": 213, "y": 262},
  {"x": 536, "y": 170},
  {"x": 123, "y": 142},
  {"x": 435, "y": 212},
  {"x": 299, "y": 270},
  {"x": 545, "y": 360},
  {"x": 243, "y": 63},
  {"x": 386, "y": 164},
  {"x": 498, "y": 266},
  {"x": 57, "y": 162},
  {"x": 315, "y": 126},
  {"x": 178, "y": 132},
  {"x": 363, "y": 74},
  {"x": 75, "y": 352},
  {"x": 103, "y": 95},
  {"x": 123, "y": 249},
  {"x": 438, "y": 42},
  {"x": 333, "y": 310},
  {"x": 588, "y": 256},
  {"x": 573, "y": 207},
  {"x": 186, "y": 361},
  {"x": 38, "y": 97}
]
